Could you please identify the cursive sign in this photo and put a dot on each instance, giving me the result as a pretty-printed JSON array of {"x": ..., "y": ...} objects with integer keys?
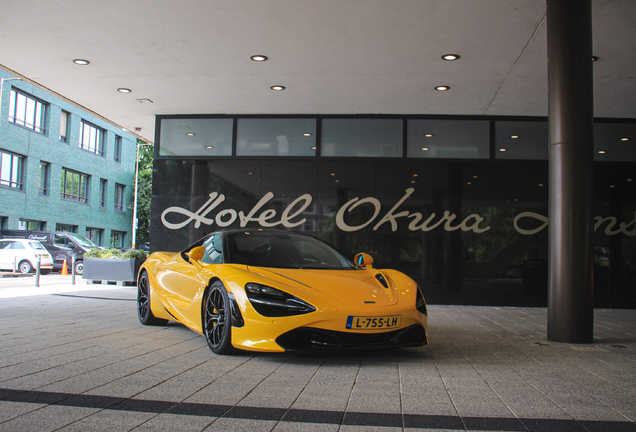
[{"x": 291, "y": 217}]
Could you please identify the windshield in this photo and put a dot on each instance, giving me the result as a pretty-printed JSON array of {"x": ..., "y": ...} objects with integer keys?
[
  {"x": 82, "y": 241},
  {"x": 283, "y": 250}
]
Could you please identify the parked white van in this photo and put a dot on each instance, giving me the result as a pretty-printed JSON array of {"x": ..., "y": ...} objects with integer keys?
[{"x": 22, "y": 255}]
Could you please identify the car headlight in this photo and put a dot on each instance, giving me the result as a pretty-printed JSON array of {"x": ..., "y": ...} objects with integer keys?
[
  {"x": 420, "y": 303},
  {"x": 271, "y": 302}
]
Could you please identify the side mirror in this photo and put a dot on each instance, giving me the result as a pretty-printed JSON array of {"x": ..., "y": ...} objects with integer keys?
[
  {"x": 363, "y": 260},
  {"x": 197, "y": 253}
]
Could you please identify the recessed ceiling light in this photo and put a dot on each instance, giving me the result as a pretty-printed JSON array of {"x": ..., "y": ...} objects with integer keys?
[
  {"x": 428, "y": 135},
  {"x": 468, "y": 183},
  {"x": 612, "y": 186},
  {"x": 502, "y": 149},
  {"x": 190, "y": 134},
  {"x": 250, "y": 173},
  {"x": 625, "y": 139},
  {"x": 540, "y": 184},
  {"x": 413, "y": 181},
  {"x": 337, "y": 181},
  {"x": 124, "y": 90},
  {"x": 209, "y": 147},
  {"x": 450, "y": 57},
  {"x": 475, "y": 177},
  {"x": 601, "y": 151},
  {"x": 425, "y": 148},
  {"x": 278, "y": 88},
  {"x": 415, "y": 175},
  {"x": 307, "y": 134},
  {"x": 333, "y": 174},
  {"x": 313, "y": 148},
  {"x": 258, "y": 58},
  {"x": 629, "y": 179},
  {"x": 442, "y": 88},
  {"x": 81, "y": 62},
  {"x": 514, "y": 136},
  {"x": 594, "y": 58}
]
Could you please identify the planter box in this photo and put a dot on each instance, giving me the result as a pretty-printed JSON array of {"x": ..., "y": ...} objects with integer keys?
[{"x": 111, "y": 269}]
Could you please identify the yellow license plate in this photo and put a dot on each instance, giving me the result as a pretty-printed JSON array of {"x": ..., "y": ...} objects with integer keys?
[{"x": 373, "y": 323}]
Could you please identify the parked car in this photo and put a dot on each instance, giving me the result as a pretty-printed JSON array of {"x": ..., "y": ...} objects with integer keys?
[
  {"x": 23, "y": 255},
  {"x": 280, "y": 291},
  {"x": 61, "y": 245}
]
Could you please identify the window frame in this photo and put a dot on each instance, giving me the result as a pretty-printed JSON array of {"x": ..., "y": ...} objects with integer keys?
[
  {"x": 66, "y": 123},
  {"x": 95, "y": 137},
  {"x": 117, "y": 149},
  {"x": 39, "y": 111},
  {"x": 119, "y": 197},
  {"x": 15, "y": 180},
  {"x": 103, "y": 188},
  {"x": 83, "y": 187},
  {"x": 45, "y": 173}
]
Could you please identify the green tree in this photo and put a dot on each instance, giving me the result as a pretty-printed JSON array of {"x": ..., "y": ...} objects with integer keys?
[{"x": 144, "y": 190}]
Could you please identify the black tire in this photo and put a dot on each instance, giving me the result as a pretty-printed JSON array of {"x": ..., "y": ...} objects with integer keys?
[
  {"x": 217, "y": 319},
  {"x": 79, "y": 267},
  {"x": 25, "y": 267},
  {"x": 45, "y": 272},
  {"x": 143, "y": 303}
]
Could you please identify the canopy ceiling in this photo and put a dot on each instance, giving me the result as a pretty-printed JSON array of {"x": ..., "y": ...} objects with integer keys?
[{"x": 333, "y": 56}]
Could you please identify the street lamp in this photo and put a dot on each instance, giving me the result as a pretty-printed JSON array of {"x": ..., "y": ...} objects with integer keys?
[{"x": 135, "y": 221}]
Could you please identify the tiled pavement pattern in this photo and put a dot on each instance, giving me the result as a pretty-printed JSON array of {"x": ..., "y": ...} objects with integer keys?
[{"x": 75, "y": 358}]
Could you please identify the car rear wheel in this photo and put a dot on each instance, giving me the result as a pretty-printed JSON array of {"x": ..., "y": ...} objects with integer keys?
[
  {"x": 25, "y": 267},
  {"x": 143, "y": 303},
  {"x": 217, "y": 320}
]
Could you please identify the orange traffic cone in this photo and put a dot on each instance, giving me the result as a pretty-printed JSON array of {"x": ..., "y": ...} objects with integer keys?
[{"x": 64, "y": 270}]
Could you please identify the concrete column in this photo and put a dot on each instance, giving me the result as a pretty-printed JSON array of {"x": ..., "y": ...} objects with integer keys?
[{"x": 571, "y": 120}]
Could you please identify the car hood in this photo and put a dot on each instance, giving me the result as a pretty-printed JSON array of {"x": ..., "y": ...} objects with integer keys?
[{"x": 344, "y": 286}]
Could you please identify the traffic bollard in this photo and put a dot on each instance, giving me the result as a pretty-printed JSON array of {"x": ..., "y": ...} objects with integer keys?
[
  {"x": 73, "y": 270},
  {"x": 37, "y": 271}
]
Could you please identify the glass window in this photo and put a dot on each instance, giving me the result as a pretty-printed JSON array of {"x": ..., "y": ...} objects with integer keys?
[
  {"x": 213, "y": 250},
  {"x": 91, "y": 138},
  {"x": 451, "y": 139},
  {"x": 65, "y": 118},
  {"x": 362, "y": 137},
  {"x": 11, "y": 170},
  {"x": 5, "y": 244},
  {"x": 31, "y": 225},
  {"x": 44, "y": 178},
  {"x": 95, "y": 235},
  {"x": 103, "y": 184},
  {"x": 27, "y": 111},
  {"x": 117, "y": 239},
  {"x": 117, "y": 148},
  {"x": 615, "y": 142},
  {"x": 196, "y": 137},
  {"x": 61, "y": 239},
  {"x": 74, "y": 186},
  {"x": 521, "y": 140},
  {"x": 119, "y": 197},
  {"x": 276, "y": 137}
]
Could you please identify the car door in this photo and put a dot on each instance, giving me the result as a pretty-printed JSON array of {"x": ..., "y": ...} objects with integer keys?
[{"x": 6, "y": 256}]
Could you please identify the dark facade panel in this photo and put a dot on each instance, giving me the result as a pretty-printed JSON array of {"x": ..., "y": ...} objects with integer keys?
[{"x": 468, "y": 231}]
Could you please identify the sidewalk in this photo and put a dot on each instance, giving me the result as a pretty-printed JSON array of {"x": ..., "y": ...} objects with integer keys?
[{"x": 24, "y": 286}]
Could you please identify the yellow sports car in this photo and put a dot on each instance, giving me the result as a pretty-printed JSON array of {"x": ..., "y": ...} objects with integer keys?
[{"x": 280, "y": 291}]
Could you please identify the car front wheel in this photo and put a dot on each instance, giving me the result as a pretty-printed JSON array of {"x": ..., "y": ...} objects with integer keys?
[
  {"x": 143, "y": 303},
  {"x": 217, "y": 320}
]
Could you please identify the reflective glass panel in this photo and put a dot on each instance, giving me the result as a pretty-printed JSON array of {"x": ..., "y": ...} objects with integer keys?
[
  {"x": 276, "y": 137},
  {"x": 521, "y": 140},
  {"x": 196, "y": 137},
  {"x": 615, "y": 142},
  {"x": 362, "y": 137},
  {"x": 452, "y": 139}
]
